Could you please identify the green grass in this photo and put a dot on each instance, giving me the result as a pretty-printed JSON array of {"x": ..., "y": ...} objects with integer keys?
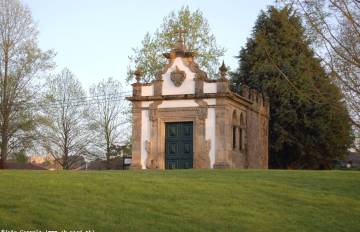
[{"x": 182, "y": 200}]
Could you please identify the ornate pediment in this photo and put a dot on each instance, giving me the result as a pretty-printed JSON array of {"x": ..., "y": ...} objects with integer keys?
[{"x": 177, "y": 76}]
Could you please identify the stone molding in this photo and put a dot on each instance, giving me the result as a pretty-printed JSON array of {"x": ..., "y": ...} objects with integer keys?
[{"x": 233, "y": 96}]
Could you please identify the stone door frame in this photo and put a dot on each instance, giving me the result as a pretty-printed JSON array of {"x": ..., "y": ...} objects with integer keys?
[{"x": 195, "y": 115}]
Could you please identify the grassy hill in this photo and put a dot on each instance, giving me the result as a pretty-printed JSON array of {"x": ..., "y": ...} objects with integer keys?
[{"x": 182, "y": 200}]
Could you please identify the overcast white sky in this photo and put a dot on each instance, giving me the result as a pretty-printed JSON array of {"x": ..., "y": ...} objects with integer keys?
[{"x": 93, "y": 38}]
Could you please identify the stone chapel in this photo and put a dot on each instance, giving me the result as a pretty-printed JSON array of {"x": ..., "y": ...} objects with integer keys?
[{"x": 183, "y": 119}]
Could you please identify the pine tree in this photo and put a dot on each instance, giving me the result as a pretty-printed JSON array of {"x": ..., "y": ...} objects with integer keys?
[{"x": 309, "y": 123}]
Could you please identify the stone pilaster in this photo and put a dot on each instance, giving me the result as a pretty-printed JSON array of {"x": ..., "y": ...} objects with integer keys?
[
  {"x": 222, "y": 139},
  {"x": 136, "y": 89},
  {"x": 199, "y": 85},
  {"x": 201, "y": 156},
  {"x": 253, "y": 95},
  {"x": 245, "y": 91},
  {"x": 158, "y": 87},
  {"x": 152, "y": 161},
  {"x": 223, "y": 86},
  {"x": 136, "y": 136}
]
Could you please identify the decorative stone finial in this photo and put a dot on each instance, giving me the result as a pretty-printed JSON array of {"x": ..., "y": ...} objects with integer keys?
[
  {"x": 180, "y": 44},
  {"x": 223, "y": 70},
  {"x": 179, "y": 49},
  {"x": 138, "y": 73}
]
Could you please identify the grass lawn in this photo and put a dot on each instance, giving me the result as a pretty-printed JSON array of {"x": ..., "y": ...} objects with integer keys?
[{"x": 181, "y": 200}]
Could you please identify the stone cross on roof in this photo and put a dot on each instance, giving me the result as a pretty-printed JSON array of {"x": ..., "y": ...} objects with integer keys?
[{"x": 180, "y": 44}]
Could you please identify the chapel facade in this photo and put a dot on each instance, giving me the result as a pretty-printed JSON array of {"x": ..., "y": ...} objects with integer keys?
[{"x": 183, "y": 119}]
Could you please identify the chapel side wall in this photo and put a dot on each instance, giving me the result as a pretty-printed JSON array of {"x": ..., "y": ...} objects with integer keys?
[
  {"x": 237, "y": 158},
  {"x": 257, "y": 136},
  {"x": 253, "y": 136},
  {"x": 264, "y": 135}
]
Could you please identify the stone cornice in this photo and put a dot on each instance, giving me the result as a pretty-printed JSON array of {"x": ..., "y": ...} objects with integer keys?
[
  {"x": 152, "y": 82},
  {"x": 230, "y": 95}
]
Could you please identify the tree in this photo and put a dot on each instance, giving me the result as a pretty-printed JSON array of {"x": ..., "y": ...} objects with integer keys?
[
  {"x": 198, "y": 39},
  {"x": 21, "y": 157},
  {"x": 335, "y": 28},
  {"x": 64, "y": 134},
  {"x": 309, "y": 124},
  {"x": 108, "y": 117},
  {"x": 20, "y": 60}
]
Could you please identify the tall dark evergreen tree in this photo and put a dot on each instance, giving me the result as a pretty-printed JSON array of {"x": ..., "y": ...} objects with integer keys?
[{"x": 309, "y": 123}]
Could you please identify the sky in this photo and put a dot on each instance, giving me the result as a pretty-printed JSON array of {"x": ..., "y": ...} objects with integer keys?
[{"x": 93, "y": 38}]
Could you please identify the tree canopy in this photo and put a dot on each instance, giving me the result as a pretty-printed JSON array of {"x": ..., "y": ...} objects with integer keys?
[
  {"x": 64, "y": 134},
  {"x": 335, "y": 29},
  {"x": 198, "y": 38},
  {"x": 108, "y": 118},
  {"x": 20, "y": 60},
  {"x": 309, "y": 123}
]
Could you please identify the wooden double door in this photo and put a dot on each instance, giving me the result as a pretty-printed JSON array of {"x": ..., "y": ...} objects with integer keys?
[{"x": 179, "y": 145}]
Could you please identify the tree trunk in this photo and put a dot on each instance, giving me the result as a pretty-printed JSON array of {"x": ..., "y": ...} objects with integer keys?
[
  {"x": 5, "y": 116},
  {"x": 4, "y": 147},
  {"x": 66, "y": 159},
  {"x": 2, "y": 163},
  {"x": 108, "y": 157},
  {"x": 65, "y": 164}
]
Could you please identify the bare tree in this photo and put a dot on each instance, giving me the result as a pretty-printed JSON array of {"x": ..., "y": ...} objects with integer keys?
[
  {"x": 335, "y": 27},
  {"x": 20, "y": 60},
  {"x": 108, "y": 119},
  {"x": 64, "y": 134}
]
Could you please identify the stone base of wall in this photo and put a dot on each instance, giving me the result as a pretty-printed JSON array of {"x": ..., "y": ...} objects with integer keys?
[
  {"x": 221, "y": 165},
  {"x": 135, "y": 166}
]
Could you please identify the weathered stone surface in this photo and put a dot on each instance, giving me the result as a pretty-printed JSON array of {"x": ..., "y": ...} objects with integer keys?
[
  {"x": 136, "y": 136},
  {"x": 239, "y": 122}
]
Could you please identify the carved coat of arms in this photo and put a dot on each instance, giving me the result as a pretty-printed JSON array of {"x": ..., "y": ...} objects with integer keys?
[{"x": 177, "y": 77}]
